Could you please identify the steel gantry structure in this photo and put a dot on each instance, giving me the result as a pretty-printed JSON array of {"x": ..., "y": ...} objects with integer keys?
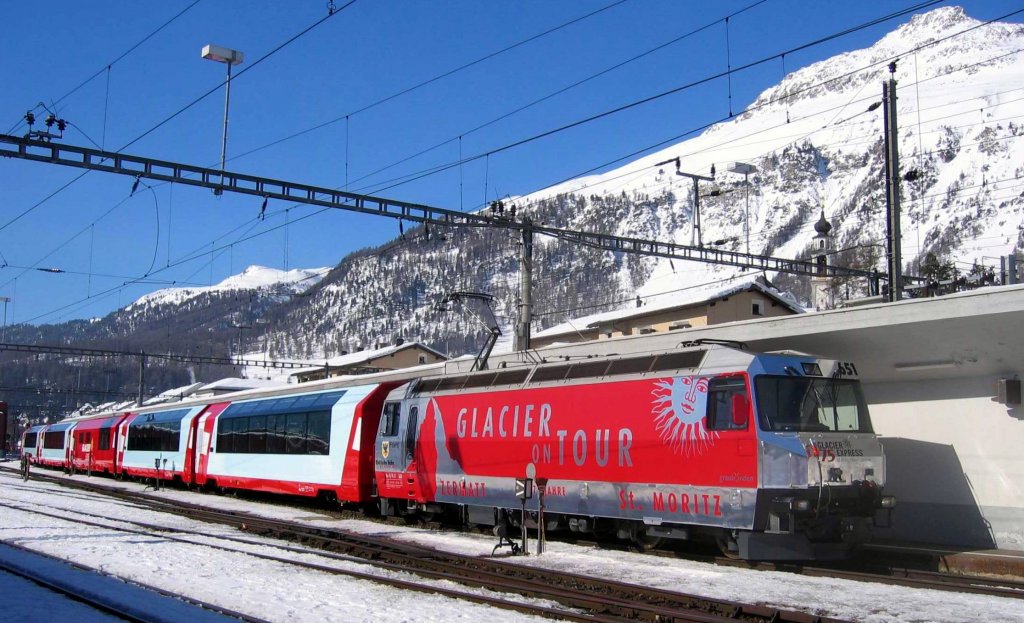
[
  {"x": 227, "y": 181},
  {"x": 143, "y": 356}
]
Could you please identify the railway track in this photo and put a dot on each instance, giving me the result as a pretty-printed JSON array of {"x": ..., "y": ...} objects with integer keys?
[
  {"x": 898, "y": 576},
  {"x": 582, "y": 591},
  {"x": 578, "y": 598}
]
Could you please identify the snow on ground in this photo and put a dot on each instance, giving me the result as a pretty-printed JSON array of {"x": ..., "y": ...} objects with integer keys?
[
  {"x": 279, "y": 592},
  {"x": 271, "y": 590}
]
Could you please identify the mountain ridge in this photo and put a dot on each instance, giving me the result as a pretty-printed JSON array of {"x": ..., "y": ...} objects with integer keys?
[{"x": 816, "y": 147}]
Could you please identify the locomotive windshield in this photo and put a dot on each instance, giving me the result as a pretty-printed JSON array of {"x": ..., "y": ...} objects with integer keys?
[{"x": 811, "y": 404}]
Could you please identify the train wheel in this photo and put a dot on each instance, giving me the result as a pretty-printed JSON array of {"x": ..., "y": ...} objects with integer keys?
[
  {"x": 728, "y": 546},
  {"x": 641, "y": 541}
]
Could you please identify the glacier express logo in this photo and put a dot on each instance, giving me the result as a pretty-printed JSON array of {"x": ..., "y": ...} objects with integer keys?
[{"x": 679, "y": 407}]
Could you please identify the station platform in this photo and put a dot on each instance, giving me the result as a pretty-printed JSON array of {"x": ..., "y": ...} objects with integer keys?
[
  {"x": 949, "y": 559},
  {"x": 30, "y": 599}
]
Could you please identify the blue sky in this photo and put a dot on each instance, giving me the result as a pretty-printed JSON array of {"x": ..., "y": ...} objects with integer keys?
[{"x": 103, "y": 239}]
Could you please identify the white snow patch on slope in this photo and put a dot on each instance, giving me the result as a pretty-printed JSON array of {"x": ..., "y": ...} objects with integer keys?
[{"x": 252, "y": 278}]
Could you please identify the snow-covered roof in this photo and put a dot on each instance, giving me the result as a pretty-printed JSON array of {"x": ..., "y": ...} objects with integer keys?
[
  {"x": 675, "y": 300},
  {"x": 103, "y": 407},
  {"x": 231, "y": 384},
  {"x": 174, "y": 394},
  {"x": 363, "y": 356}
]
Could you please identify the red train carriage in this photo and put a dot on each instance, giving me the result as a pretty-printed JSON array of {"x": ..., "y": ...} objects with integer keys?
[
  {"x": 680, "y": 444},
  {"x": 94, "y": 444},
  {"x": 303, "y": 441}
]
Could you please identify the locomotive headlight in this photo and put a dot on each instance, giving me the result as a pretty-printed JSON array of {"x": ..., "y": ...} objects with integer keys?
[{"x": 888, "y": 501}]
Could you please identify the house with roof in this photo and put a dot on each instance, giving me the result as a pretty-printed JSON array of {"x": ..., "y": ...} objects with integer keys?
[
  {"x": 695, "y": 307},
  {"x": 395, "y": 357}
]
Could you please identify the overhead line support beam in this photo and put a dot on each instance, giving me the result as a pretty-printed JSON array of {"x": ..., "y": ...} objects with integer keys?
[
  {"x": 96, "y": 352},
  {"x": 220, "y": 180},
  {"x": 136, "y": 166}
]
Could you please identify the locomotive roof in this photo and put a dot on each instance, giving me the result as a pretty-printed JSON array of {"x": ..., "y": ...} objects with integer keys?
[{"x": 567, "y": 369}]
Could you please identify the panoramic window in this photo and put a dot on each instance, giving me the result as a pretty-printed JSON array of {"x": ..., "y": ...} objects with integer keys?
[
  {"x": 156, "y": 432},
  {"x": 53, "y": 440},
  {"x": 285, "y": 425}
]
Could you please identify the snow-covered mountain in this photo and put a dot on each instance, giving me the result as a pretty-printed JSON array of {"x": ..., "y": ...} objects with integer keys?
[
  {"x": 252, "y": 278},
  {"x": 816, "y": 147},
  {"x": 815, "y": 140}
]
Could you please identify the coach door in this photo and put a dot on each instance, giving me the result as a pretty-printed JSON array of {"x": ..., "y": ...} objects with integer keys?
[
  {"x": 122, "y": 442},
  {"x": 396, "y": 449},
  {"x": 204, "y": 443}
]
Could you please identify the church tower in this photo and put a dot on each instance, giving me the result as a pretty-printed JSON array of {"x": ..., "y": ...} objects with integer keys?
[{"x": 821, "y": 293}]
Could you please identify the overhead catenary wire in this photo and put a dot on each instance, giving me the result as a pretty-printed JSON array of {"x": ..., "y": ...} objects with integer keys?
[
  {"x": 108, "y": 66},
  {"x": 701, "y": 81},
  {"x": 431, "y": 80},
  {"x": 215, "y": 250},
  {"x": 464, "y": 160},
  {"x": 555, "y": 93},
  {"x": 250, "y": 237},
  {"x": 181, "y": 110}
]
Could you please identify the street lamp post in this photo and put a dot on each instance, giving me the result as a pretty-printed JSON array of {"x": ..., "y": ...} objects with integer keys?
[
  {"x": 746, "y": 170},
  {"x": 228, "y": 57}
]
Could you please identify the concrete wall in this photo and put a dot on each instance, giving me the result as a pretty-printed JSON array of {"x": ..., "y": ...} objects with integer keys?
[{"x": 955, "y": 461}]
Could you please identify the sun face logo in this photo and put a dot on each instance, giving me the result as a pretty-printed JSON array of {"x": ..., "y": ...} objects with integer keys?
[{"x": 679, "y": 407}]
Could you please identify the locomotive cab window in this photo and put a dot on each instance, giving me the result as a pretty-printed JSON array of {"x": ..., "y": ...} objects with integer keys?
[
  {"x": 811, "y": 404},
  {"x": 728, "y": 404},
  {"x": 412, "y": 426},
  {"x": 390, "y": 420}
]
